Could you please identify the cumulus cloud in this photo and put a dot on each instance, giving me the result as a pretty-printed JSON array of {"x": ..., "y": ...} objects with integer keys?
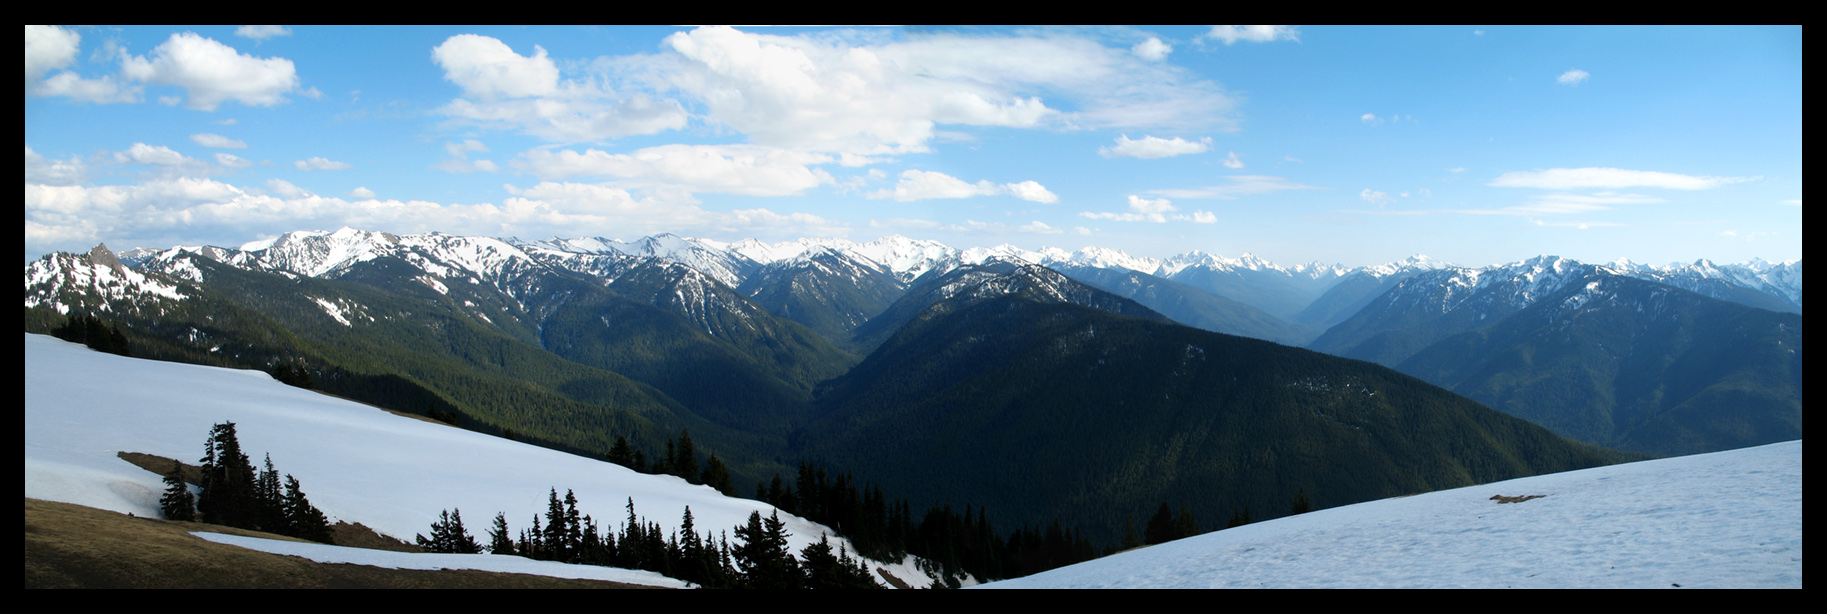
[
  {"x": 506, "y": 90},
  {"x": 828, "y": 94},
  {"x": 212, "y": 73},
  {"x": 49, "y": 48},
  {"x": 1156, "y": 210},
  {"x": 262, "y": 32},
  {"x": 42, "y": 170},
  {"x": 925, "y": 185},
  {"x": 1232, "y": 161},
  {"x": 361, "y": 193},
  {"x": 217, "y": 141},
  {"x": 1152, "y": 49},
  {"x": 487, "y": 68},
  {"x": 1253, "y": 34},
  {"x": 1150, "y": 147},
  {"x": 1573, "y": 77},
  {"x": 318, "y": 163},
  {"x": 1608, "y": 178},
  {"x": 232, "y": 161},
  {"x": 459, "y": 161},
  {"x": 728, "y": 169}
]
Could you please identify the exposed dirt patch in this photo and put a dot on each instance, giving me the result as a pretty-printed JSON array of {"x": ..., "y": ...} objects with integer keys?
[
  {"x": 1517, "y": 499},
  {"x": 71, "y": 546}
]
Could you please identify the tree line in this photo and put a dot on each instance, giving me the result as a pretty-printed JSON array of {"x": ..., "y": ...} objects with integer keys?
[{"x": 235, "y": 495}]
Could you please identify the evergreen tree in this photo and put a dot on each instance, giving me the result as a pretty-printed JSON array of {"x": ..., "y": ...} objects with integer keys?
[
  {"x": 499, "y": 540},
  {"x": 1301, "y": 504},
  {"x": 1160, "y": 528},
  {"x": 449, "y": 536},
  {"x": 762, "y": 557},
  {"x": 1239, "y": 518},
  {"x": 717, "y": 476},
  {"x": 621, "y": 453},
  {"x": 1185, "y": 525},
  {"x": 303, "y": 520},
  {"x": 685, "y": 458},
  {"x": 228, "y": 481},
  {"x": 177, "y": 503},
  {"x": 269, "y": 500}
]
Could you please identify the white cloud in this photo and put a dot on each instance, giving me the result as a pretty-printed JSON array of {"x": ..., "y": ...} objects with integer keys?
[
  {"x": 317, "y": 163},
  {"x": 1374, "y": 197},
  {"x": 487, "y": 68},
  {"x": 262, "y": 32},
  {"x": 141, "y": 153},
  {"x": 924, "y": 185},
  {"x": 459, "y": 161},
  {"x": 285, "y": 189},
  {"x": 1151, "y": 147},
  {"x": 1032, "y": 191},
  {"x": 1152, "y": 49},
  {"x": 361, "y": 193},
  {"x": 1573, "y": 77},
  {"x": 42, "y": 170},
  {"x": 509, "y": 91},
  {"x": 1039, "y": 227},
  {"x": 48, "y": 48},
  {"x": 1157, "y": 210},
  {"x": 1232, "y": 161},
  {"x": 232, "y": 161},
  {"x": 1370, "y": 118},
  {"x": 463, "y": 149},
  {"x": 211, "y": 72},
  {"x": 1254, "y": 34},
  {"x": 821, "y": 94},
  {"x": 217, "y": 141},
  {"x": 1608, "y": 178},
  {"x": 729, "y": 169},
  {"x": 1241, "y": 185}
]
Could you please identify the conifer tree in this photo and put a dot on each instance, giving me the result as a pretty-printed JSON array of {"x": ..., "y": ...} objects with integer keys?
[
  {"x": 177, "y": 503},
  {"x": 269, "y": 500},
  {"x": 228, "y": 481},
  {"x": 499, "y": 540},
  {"x": 303, "y": 520},
  {"x": 1160, "y": 528},
  {"x": 621, "y": 453},
  {"x": 717, "y": 476},
  {"x": 449, "y": 536},
  {"x": 1301, "y": 504},
  {"x": 685, "y": 458}
]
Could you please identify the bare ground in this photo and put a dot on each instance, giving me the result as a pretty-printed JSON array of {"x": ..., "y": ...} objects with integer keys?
[{"x": 71, "y": 546}]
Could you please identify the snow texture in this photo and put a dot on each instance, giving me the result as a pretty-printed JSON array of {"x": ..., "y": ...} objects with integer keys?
[
  {"x": 357, "y": 463},
  {"x": 1728, "y": 519}
]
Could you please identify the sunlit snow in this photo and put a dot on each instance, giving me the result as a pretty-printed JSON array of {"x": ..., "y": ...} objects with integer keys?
[{"x": 356, "y": 463}]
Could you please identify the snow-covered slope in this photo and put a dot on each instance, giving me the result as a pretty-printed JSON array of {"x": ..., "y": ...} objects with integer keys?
[
  {"x": 1723, "y": 520},
  {"x": 357, "y": 463}
]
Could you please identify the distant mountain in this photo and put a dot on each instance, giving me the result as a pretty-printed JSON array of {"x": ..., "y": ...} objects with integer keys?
[
  {"x": 1191, "y": 306},
  {"x": 993, "y": 278},
  {"x": 1036, "y": 408},
  {"x": 1633, "y": 365},
  {"x": 829, "y": 291},
  {"x": 1429, "y": 306},
  {"x": 1593, "y": 352}
]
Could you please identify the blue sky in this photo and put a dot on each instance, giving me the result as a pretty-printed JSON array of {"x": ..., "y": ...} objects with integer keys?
[{"x": 1474, "y": 145}]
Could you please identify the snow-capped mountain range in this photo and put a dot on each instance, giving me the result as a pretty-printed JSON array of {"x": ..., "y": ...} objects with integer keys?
[{"x": 319, "y": 253}]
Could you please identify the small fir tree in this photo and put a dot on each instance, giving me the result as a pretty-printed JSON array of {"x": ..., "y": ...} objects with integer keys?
[{"x": 177, "y": 503}]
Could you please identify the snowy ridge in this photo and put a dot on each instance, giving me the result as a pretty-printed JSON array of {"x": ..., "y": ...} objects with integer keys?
[
  {"x": 94, "y": 281},
  {"x": 358, "y": 463},
  {"x": 1722, "y": 520}
]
